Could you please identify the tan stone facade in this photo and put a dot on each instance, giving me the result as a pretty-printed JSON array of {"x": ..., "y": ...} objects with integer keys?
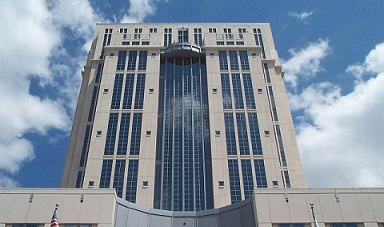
[{"x": 86, "y": 152}]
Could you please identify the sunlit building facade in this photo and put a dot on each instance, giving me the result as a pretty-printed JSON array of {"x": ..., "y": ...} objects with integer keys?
[{"x": 183, "y": 117}]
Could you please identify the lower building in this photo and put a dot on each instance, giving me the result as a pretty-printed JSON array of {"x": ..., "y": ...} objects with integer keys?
[{"x": 352, "y": 207}]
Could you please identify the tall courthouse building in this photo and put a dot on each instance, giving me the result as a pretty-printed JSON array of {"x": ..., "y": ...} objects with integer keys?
[{"x": 183, "y": 117}]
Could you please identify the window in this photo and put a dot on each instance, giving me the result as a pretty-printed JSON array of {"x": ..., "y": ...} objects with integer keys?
[
  {"x": 288, "y": 184},
  {"x": 248, "y": 90},
  {"x": 118, "y": 180},
  {"x": 153, "y": 54},
  {"x": 230, "y": 134},
  {"x": 244, "y": 60},
  {"x": 345, "y": 225},
  {"x": 234, "y": 181},
  {"x": 261, "y": 179},
  {"x": 198, "y": 37},
  {"x": 255, "y": 134},
  {"x": 153, "y": 30},
  {"x": 123, "y": 134},
  {"x": 242, "y": 134},
  {"x": 230, "y": 43},
  {"x": 148, "y": 133},
  {"x": 145, "y": 43},
  {"x": 223, "y": 60},
  {"x": 133, "y": 167},
  {"x": 214, "y": 90},
  {"x": 135, "y": 43},
  {"x": 136, "y": 133},
  {"x": 254, "y": 55},
  {"x": 116, "y": 96},
  {"x": 132, "y": 60},
  {"x": 212, "y": 30},
  {"x": 220, "y": 43},
  {"x": 167, "y": 36},
  {"x": 246, "y": 168},
  {"x": 124, "y": 43},
  {"x": 266, "y": 133},
  {"x": 259, "y": 90},
  {"x": 240, "y": 43},
  {"x": 139, "y": 95},
  {"x": 242, "y": 30},
  {"x": 183, "y": 35},
  {"x": 217, "y": 133},
  {"x": 111, "y": 134},
  {"x": 275, "y": 184},
  {"x": 123, "y": 30},
  {"x": 221, "y": 183},
  {"x": 151, "y": 90},
  {"x": 106, "y": 171},
  {"x": 121, "y": 60},
  {"x": 142, "y": 60},
  {"x": 106, "y": 90},
  {"x": 237, "y": 91},
  {"x": 233, "y": 60},
  {"x": 99, "y": 133},
  {"x": 128, "y": 91},
  {"x": 226, "y": 91},
  {"x": 138, "y": 30},
  {"x": 145, "y": 184}
]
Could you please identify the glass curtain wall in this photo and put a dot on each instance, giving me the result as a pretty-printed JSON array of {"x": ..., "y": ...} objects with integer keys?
[{"x": 183, "y": 179}]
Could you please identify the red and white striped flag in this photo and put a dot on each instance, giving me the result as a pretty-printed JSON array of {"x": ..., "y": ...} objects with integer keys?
[{"x": 54, "y": 221}]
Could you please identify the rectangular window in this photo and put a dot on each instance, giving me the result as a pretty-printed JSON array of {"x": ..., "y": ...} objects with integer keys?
[
  {"x": 123, "y": 134},
  {"x": 145, "y": 43},
  {"x": 237, "y": 92},
  {"x": 111, "y": 134},
  {"x": 233, "y": 60},
  {"x": 167, "y": 36},
  {"x": 242, "y": 133},
  {"x": 223, "y": 60},
  {"x": 248, "y": 90},
  {"x": 230, "y": 134},
  {"x": 281, "y": 146},
  {"x": 234, "y": 181},
  {"x": 106, "y": 171},
  {"x": 220, "y": 43},
  {"x": 133, "y": 168},
  {"x": 198, "y": 37},
  {"x": 255, "y": 134},
  {"x": 93, "y": 103},
  {"x": 117, "y": 88},
  {"x": 266, "y": 71},
  {"x": 261, "y": 179},
  {"x": 246, "y": 168},
  {"x": 121, "y": 60},
  {"x": 244, "y": 60},
  {"x": 287, "y": 180},
  {"x": 142, "y": 60},
  {"x": 79, "y": 179},
  {"x": 118, "y": 180},
  {"x": 98, "y": 73},
  {"x": 183, "y": 35},
  {"x": 136, "y": 133},
  {"x": 226, "y": 91},
  {"x": 140, "y": 86},
  {"x": 272, "y": 98},
  {"x": 128, "y": 91},
  {"x": 132, "y": 60},
  {"x": 84, "y": 150}
]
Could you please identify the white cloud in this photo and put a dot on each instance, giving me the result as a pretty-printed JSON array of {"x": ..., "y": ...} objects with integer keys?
[
  {"x": 341, "y": 136},
  {"x": 374, "y": 63},
  {"x": 305, "y": 63},
  {"x": 301, "y": 16},
  {"x": 139, "y": 10},
  {"x": 6, "y": 182},
  {"x": 33, "y": 46}
]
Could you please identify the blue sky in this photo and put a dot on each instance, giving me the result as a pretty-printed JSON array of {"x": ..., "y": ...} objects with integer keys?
[{"x": 332, "y": 54}]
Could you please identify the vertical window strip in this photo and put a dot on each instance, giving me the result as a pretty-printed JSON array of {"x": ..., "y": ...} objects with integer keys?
[
  {"x": 142, "y": 60},
  {"x": 261, "y": 44},
  {"x": 287, "y": 180},
  {"x": 197, "y": 135},
  {"x": 255, "y": 134},
  {"x": 123, "y": 134},
  {"x": 261, "y": 178},
  {"x": 139, "y": 96},
  {"x": 106, "y": 171},
  {"x": 248, "y": 90},
  {"x": 281, "y": 146},
  {"x": 246, "y": 168},
  {"x": 274, "y": 110},
  {"x": 168, "y": 136},
  {"x": 98, "y": 73},
  {"x": 133, "y": 167},
  {"x": 242, "y": 134},
  {"x": 237, "y": 92},
  {"x": 132, "y": 60},
  {"x": 121, "y": 60},
  {"x": 128, "y": 91},
  {"x": 117, "y": 88},
  {"x": 136, "y": 133},
  {"x": 188, "y": 138},
  {"x": 233, "y": 60},
  {"x": 234, "y": 180},
  {"x": 230, "y": 134},
  {"x": 84, "y": 150},
  {"x": 178, "y": 137},
  {"x": 223, "y": 62},
  {"x": 226, "y": 91},
  {"x": 111, "y": 134},
  {"x": 93, "y": 102},
  {"x": 244, "y": 60},
  {"x": 79, "y": 179},
  {"x": 118, "y": 180},
  {"x": 267, "y": 75}
]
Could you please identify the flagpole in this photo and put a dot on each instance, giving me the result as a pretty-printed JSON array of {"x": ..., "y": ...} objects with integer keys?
[
  {"x": 54, "y": 221},
  {"x": 313, "y": 215}
]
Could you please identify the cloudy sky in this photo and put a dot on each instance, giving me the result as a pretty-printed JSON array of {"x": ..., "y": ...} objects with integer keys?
[{"x": 332, "y": 54}]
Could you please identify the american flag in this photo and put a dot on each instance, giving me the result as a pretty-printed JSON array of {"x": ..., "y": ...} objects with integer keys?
[{"x": 54, "y": 221}]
